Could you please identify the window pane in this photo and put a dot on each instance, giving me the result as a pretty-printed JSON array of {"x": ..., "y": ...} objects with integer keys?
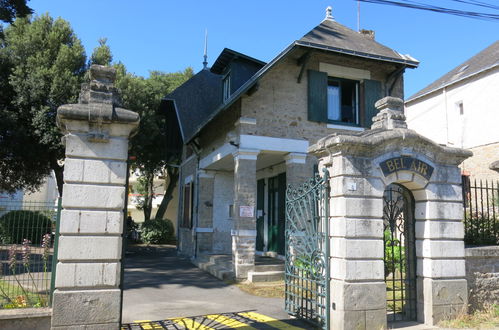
[
  {"x": 333, "y": 102},
  {"x": 348, "y": 107}
]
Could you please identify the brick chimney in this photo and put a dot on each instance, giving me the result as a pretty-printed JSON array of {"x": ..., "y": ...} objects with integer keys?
[{"x": 368, "y": 33}]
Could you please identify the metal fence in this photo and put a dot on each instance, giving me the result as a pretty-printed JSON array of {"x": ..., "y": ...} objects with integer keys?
[
  {"x": 27, "y": 237},
  {"x": 481, "y": 212}
]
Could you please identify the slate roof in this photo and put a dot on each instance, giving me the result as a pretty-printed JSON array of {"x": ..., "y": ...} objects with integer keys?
[
  {"x": 328, "y": 35},
  {"x": 195, "y": 100},
  {"x": 226, "y": 56},
  {"x": 331, "y": 35},
  {"x": 485, "y": 60}
]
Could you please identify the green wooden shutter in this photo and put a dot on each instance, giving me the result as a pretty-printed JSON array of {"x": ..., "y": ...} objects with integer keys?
[
  {"x": 317, "y": 96},
  {"x": 372, "y": 93}
]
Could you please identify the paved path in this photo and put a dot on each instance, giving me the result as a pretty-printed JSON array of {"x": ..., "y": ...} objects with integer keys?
[{"x": 159, "y": 286}]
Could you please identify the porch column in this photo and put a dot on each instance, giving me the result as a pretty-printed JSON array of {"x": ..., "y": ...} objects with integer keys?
[
  {"x": 204, "y": 229},
  {"x": 297, "y": 169},
  {"x": 244, "y": 226},
  {"x": 87, "y": 293}
]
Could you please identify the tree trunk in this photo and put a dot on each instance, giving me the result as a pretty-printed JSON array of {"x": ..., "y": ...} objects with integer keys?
[
  {"x": 59, "y": 174},
  {"x": 172, "y": 177},
  {"x": 148, "y": 196}
]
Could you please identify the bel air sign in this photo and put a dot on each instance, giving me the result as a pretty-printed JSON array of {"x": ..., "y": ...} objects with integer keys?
[{"x": 405, "y": 163}]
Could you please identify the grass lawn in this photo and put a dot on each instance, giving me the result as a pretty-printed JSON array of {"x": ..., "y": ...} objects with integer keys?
[
  {"x": 393, "y": 296},
  {"x": 487, "y": 319},
  {"x": 263, "y": 289}
]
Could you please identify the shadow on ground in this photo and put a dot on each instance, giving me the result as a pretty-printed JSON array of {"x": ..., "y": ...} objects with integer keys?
[
  {"x": 142, "y": 263},
  {"x": 245, "y": 319}
]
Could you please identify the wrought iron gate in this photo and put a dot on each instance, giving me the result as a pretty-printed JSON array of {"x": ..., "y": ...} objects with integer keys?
[
  {"x": 307, "y": 251},
  {"x": 400, "y": 256}
]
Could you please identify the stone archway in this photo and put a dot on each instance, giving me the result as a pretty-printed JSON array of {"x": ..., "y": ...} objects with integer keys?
[
  {"x": 361, "y": 166},
  {"x": 399, "y": 242}
]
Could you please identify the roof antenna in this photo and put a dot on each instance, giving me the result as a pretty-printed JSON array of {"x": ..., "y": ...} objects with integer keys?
[
  {"x": 358, "y": 15},
  {"x": 205, "y": 62},
  {"x": 329, "y": 13}
]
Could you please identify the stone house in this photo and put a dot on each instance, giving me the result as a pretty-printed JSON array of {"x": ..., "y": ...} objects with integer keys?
[
  {"x": 459, "y": 109},
  {"x": 244, "y": 126}
]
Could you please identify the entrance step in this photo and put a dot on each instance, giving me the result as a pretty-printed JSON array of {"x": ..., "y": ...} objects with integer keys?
[
  {"x": 266, "y": 269},
  {"x": 219, "y": 266},
  {"x": 268, "y": 264},
  {"x": 270, "y": 276}
]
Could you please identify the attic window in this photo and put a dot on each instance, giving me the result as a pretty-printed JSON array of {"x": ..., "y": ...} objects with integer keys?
[
  {"x": 460, "y": 107},
  {"x": 226, "y": 87}
]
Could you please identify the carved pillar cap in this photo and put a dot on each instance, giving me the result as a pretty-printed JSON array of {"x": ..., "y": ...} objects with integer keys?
[
  {"x": 98, "y": 104},
  {"x": 103, "y": 73},
  {"x": 390, "y": 114},
  {"x": 391, "y": 103}
]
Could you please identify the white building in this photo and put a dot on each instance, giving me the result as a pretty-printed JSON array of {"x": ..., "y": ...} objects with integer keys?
[{"x": 461, "y": 109}]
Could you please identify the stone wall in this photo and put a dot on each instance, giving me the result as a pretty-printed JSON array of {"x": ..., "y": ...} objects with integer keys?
[
  {"x": 482, "y": 274},
  {"x": 478, "y": 165},
  {"x": 215, "y": 134},
  {"x": 222, "y": 221},
  {"x": 27, "y": 318}
]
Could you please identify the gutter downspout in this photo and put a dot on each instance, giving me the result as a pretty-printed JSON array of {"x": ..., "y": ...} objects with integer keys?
[{"x": 444, "y": 93}]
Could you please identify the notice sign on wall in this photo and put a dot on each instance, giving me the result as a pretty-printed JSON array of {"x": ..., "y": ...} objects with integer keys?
[
  {"x": 246, "y": 211},
  {"x": 405, "y": 163}
]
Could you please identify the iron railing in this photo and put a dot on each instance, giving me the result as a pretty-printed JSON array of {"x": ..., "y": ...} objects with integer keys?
[
  {"x": 27, "y": 234},
  {"x": 307, "y": 251},
  {"x": 399, "y": 254},
  {"x": 481, "y": 212}
]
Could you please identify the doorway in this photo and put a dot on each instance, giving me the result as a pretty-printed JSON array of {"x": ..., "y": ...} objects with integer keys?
[
  {"x": 271, "y": 199},
  {"x": 399, "y": 254}
]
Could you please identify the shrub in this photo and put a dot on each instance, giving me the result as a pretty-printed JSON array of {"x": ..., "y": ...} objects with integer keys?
[
  {"x": 158, "y": 231},
  {"x": 394, "y": 254},
  {"x": 20, "y": 224}
]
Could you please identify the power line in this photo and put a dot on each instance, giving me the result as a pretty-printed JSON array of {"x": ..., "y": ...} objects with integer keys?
[{"x": 451, "y": 11}]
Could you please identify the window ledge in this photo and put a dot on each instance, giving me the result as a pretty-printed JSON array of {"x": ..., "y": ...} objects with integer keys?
[{"x": 346, "y": 127}]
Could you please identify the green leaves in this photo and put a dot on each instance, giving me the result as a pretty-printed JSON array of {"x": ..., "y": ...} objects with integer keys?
[
  {"x": 144, "y": 96},
  {"x": 43, "y": 63}
]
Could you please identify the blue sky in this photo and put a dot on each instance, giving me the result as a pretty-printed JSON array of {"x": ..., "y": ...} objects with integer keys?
[{"x": 168, "y": 35}]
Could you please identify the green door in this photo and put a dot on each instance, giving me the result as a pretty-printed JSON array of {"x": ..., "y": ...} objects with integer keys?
[
  {"x": 260, "y": 225},
  {"x": 276, "y": 213}
]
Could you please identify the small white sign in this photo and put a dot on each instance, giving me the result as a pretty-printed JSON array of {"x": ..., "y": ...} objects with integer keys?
[{"x": 246, "y": 211}]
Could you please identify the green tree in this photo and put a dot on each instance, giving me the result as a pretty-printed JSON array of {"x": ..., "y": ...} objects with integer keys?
[
  {"x": 44, "y": 63},
  {"x": 148, "y": 145},
  {"x": 144, "y": 95},
  {"x": 10, "y": 9},
  {"x": 102, "y": 54}
]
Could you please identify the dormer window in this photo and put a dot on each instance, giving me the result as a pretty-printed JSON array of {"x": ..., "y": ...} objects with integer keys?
[
  {"x": 226, "y": 87},
  {"x": 342, "y": 101}
]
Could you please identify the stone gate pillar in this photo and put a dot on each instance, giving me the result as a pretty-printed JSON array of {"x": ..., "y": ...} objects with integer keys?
[
  {"x": 361, "y": 166},
  {"x": 88, "y": 274},
  {"x": 244, "y": 217}
]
